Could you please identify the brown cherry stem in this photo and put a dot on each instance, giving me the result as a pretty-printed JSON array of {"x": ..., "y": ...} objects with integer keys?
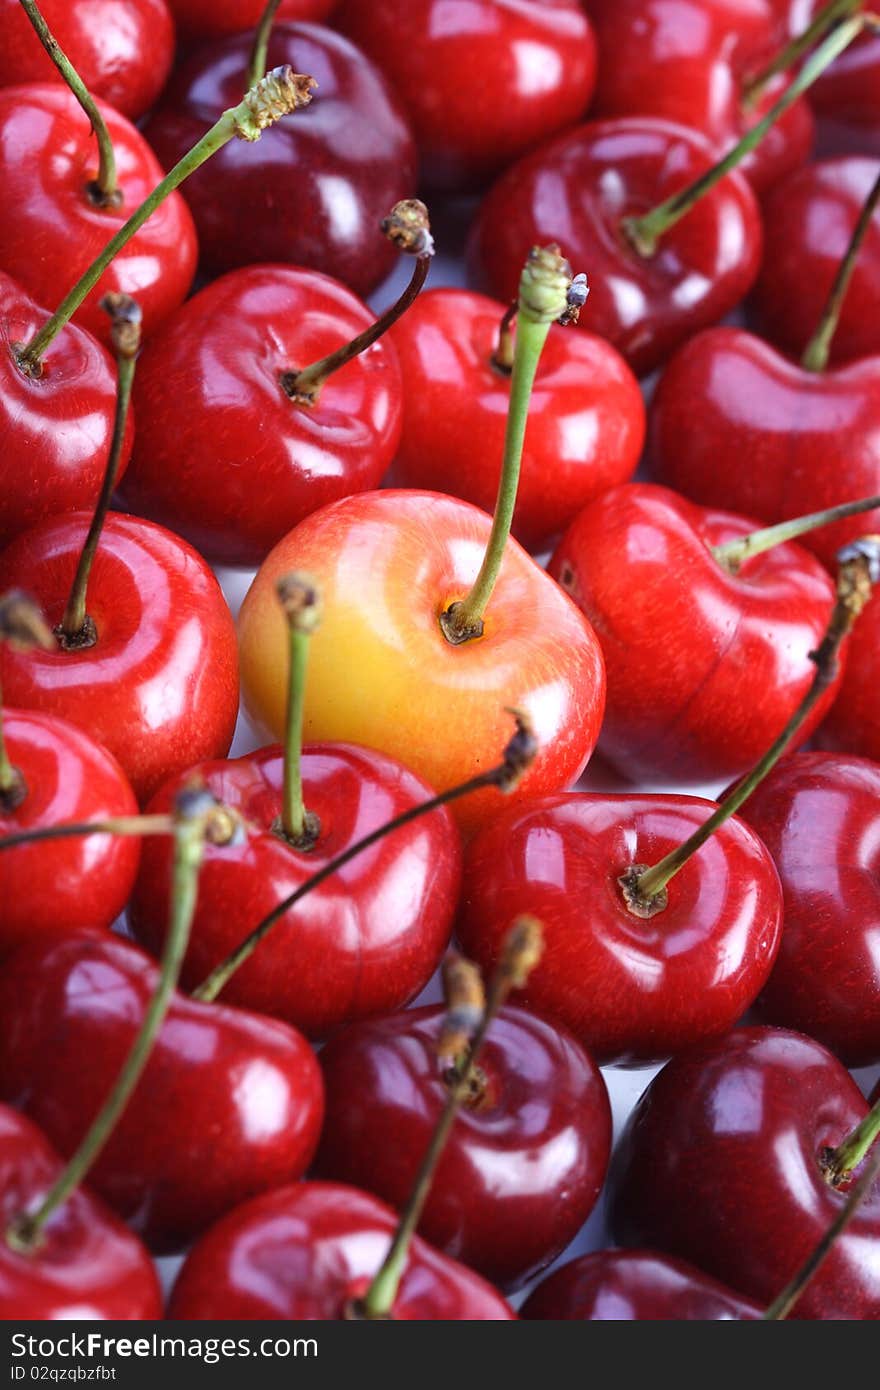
[
  {"x": 299, "y": 598},
  {"x": 818, "y": 349},
  {"x": 505, "y": 348},
  {"x": 732, "y": 555},
  {"x": 23, "y": 626}
]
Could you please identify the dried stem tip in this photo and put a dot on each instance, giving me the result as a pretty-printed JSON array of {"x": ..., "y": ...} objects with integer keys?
[
  {"x": 545, "y": 285},
  {"x": 300, "y": 597},
  {"x": 408, "y": 227},
  {"x": 195, "y": 802},
  {"x": 858, "y": 572},
  {"x": 465, "y": 1006},
  {"x": 522, "y": 948},
  {"x": 23, "y": 624},
  {"x": 125, "y": 323},
  {"x": 277, "y": 94},
  {"x": 519, "y": 754}
]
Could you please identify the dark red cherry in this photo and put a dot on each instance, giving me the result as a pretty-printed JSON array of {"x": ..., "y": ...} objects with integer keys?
[
  {"x": 210, "y": 19},
  {"x": 853, "y": 722},
  {"x": 634, "y": 1286}
]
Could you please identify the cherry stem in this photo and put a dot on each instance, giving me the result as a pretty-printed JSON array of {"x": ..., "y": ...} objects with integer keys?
[
  {"x": 518, "y": 756},
  {"x": 543, "y": 300},
  {"x": 645, "y": 232},
  {"x": 257, "y": 65},
  {"x": 409, "y": 228},
  {"x": 76, "y": 630},
  {"x": 277, "y": 94},
  {"x": 818, "y": 349},
  {"x": 300, "y": 599},
  {"x": 103, "y": 192},
  {"x": 732, "y": 555},
  {"x": 68, "y": 830},
  {"x": 797, "y": 47},
  {"x": 191, "y": 816},
  {"x": 22, "y": 625},
  {"x": 842, "y": 1161},
  {"x": 644, "y": 889},
  {"x": 502, "y": 357},
  {"x": 520, "y": 952}
]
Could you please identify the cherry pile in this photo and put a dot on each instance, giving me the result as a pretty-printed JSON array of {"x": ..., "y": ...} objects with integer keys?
[{"x": 611, "y": 485}]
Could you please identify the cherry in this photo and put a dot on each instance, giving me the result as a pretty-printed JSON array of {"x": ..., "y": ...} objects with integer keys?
[
  {"x": 538, "y": 1108},
  {"x": 210, "y": 19},
  {"x": 87, "y": 1265},
  {"x": 764, "y": 1110},
  {"x": 849, "y": 93},
  {"x": 230, "y": 1103},
  {"x": 122, "y": 49},
  {"x": 316, "y": 189},
  {"x": 634, "y": 1286},
  {"x": 462, "y": 70},
  {"x": 586, "y": 418},
  {"x": 853, "y": 722}
]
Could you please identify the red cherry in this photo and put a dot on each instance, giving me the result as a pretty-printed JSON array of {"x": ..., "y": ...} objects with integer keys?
[
  {"x": 159, "y": 688},
  {"x": 257, "y": 468},
  {"x": 307, "y": 1252},
  {"x": 56, "y": 428},
  {"x": 758, "y": 1109},
  {"x": 734, "y": 424},
  {"x": 853, "y": 723},
  {"x": 704, "y": 667},
  {"x": 586, "y": 418},
  {"x": 230, "y": 1103},
  {"x": 635, "y": 1286},
  {"x": 809, "y": 220},
  {"x": 540, "y": 1115},
  {"x": 691, "y": 62},
  {"x": 62, "y": 884},
  {"x": 632, "y": 990},
  {"x": 122, "y": 49},
  {"x": 848, "y": 94},
  {"x": 364, "y": 942},
  {"x": 482, "y": 82},
  {"x": 316, "y": 187},
  {"x": 578, "y": 189},
  {"x": 87, "y": 1265},
  {"x": 210, "y": 19}
]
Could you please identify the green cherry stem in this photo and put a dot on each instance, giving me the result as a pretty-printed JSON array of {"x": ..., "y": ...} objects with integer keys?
[
  {"x": 818, "y": 349},
  {"x": 76, "y": 629},
  {"x": 645, "y": 232},
  {"x": 23, "y": 625},
  {"x": 545, "y": 298},
  {"x": 299, "y": 598},
  {"x": 275, "y": 95},
  {"x": 191, "y": 816},
  {"x": 841, "y": 1162},
  {"x": 731, "y": 555},
  {"x": 518, "y": 756},
  {"x": 257, "y": 65},
  {"x": 797, "y": 47},
  {"x": 644, "y": 888},
  {"x": 519, "y": 954},
  {"x": 103, "y": 192}
]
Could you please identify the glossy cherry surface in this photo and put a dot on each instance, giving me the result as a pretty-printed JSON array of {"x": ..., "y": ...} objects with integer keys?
[
  {"x": 577, "y": 189},
  {"x": 56, "y": 428},
  {"x": 122, "y": 49},
  {"x": 50, "y": 228},
  {"x": 388, "y": 565},
  {"x": 633, "y": 990},
  {"x": 159, "y": 688},
  {"x": 362, "y": 943},
  {"x": 307, "y": 1252},
  {"x": 315, "y": 187},
  {"x": 735, "y": 424},
  {"x": 527, "y": 1156},
  {"x": 62, "y": 884},
  {"x": 586, "y": 416},
  {"x": 704, "y": 667},
  {"x": 208, "y": 390},
  {"x": 230, "y": 1103},
  {"x": 462, "y": 71},
  {"x": 635, "y": 1286},
  {"x": 87, "y": 1265},
  {"x": 203, "y": 19},
  {"x": 721, "y": 1163},
  {"x": 853, "y": 722}
]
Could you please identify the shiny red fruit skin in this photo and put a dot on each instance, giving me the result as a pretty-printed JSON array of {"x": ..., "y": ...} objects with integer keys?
[
  {"x": 87, "y": 1264},
  {"x": 63, "y": 884},
  {"x": 690, "y": 62},
  {"x": 853, "y": 723},
  {"x": 634, "y": 1286},
  {"x": 122, "y": 49},
  {"x": 56, "y": 429},
  {"x": 159, "y": 688},
  {"x": 586, "y": 416},
  {"x": 734, "y": 424},
  {"x": 317, "y": 186},
  {"x": 819, "y": 816},
  {"x": 632, "y": 990},
  {"x": 577, "y": 189},
  {"x": 720, "y": 1163},
  {"x": 211, "y": 19},
  {"x": 849, "y": 91},
  {"x": 50, "y": 230},
  {"x": 544, "y": 1115},
  {"x": 260, "y": 463},
  {"x": 305, "y": 1252},
  {"x": 483, "y": 82},
  {"x": 230, "y": 1103},
  {"x": 704, "y": 667},
  {"x": 363, "y": 943},
  {"x": 809, "y": 220}
]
